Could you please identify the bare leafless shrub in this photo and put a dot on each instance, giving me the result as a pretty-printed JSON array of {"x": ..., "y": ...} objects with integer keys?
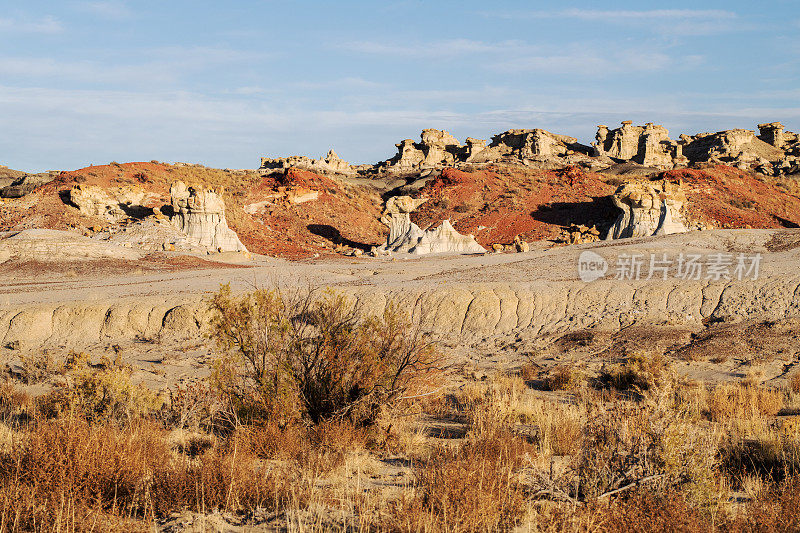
[
  {"x": 794, "y": 382},
  {"x": 315, "y": 356},
  {"x": 563, "y": 377}
]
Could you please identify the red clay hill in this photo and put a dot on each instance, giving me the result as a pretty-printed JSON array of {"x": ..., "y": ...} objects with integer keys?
[{"x": 296, "y": 213}]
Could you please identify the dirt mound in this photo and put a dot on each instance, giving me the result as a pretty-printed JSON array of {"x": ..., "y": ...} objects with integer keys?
[
  {"x": 725, "y": 197},
  {"x": 499, "y": 203}
]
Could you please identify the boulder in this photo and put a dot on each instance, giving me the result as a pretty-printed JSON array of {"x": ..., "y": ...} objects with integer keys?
[
  {"x": 200, "y": 214},
  {"x": 648, "y": 208},
  {"x": 579, "y": 234}
]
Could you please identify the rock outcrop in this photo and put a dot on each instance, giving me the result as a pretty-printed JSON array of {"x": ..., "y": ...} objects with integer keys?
[
  {"x": 330, "y": 164},
  {"x": 648, "y": 145},
  {"x": 110, "y": 204},
  {"x": 738, "y": 147},
  {"x": 527, "y": 144},
  {"x": 648, "y": 208},
  {"x": 19, "y": 186},
  {"x": 773, "y": 151},
  {"x": 436, "y": 149},
  {"x": 200, "y": 214},
  {"x": 407, "y": 237},
  {"x": 579, "y": 234}
]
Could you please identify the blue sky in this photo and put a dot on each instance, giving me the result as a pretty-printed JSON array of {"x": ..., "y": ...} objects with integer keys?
[{"x": 223, "y": 83}]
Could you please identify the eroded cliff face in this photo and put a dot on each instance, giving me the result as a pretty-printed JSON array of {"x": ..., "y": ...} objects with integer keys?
[{"x": 200, "y": 214}]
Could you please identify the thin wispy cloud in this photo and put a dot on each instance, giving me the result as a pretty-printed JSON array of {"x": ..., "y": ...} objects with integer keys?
[
  {"x": 107, "y": 9},
  {"x": 45, "y": 25},
  {"x": 159, "y": 65},
  {"x": 618, "y": 15},
  {"x": 444, "y": 48},
  {"x": 518, "y": 56},
  {"x": 676, "y": 22},
  {"x": 646, "y": 15}
]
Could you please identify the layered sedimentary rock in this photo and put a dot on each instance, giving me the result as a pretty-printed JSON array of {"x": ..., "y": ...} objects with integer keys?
[
  {"x": 407, "y": 237},
  {"x": 436, "y": 148},
  {"x": 47, "y": 245},
  {"x": 648, "y": 208},
  {"x": 647, "y": 145},
  {"x": 330, "y": 164},
  {"x": 110, "y": 204},
  {"x": 740, "y": 148},
  {"x": 200, "y": 214}
]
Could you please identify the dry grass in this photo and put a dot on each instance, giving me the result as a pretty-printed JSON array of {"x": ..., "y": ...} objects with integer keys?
[
  {"x": 563, "y": 377},
  {"x": 470, "y": 488},
  {"x": 666, "y": 458},
  {"x": 743, "y": 401},
  {"x": 637, "y": 372},
  {"x": 794, "y": 382}
]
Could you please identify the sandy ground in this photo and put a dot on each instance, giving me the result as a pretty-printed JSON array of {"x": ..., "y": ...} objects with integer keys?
[{"x": 491, "y": 311}]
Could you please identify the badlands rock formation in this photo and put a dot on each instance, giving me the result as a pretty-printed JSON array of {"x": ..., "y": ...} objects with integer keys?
[
  {"x": 647, "y": 145},
  {"x": 436, "y": 149},
  {"x": 773, "y": 151},
  {"x": 19, "y": 186},
  {"x": 407, "y": 237},
  {"x": 200, "y": 214},
  {"x": 330, "y": 164},
  {"x": 648, "y": 208},
  {"x": 109, "y": 204},
  {"x": 532, "y": 147}
]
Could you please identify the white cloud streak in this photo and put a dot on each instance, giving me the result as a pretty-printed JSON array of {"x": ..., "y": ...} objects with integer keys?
[
  {"x": 114, "y": 10},
  {"x": 162, "y": 65},
  {"x": 517, "y": 56},
  {"x": 673, "y": 22},
  {"x": 47, "y": 25}
]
